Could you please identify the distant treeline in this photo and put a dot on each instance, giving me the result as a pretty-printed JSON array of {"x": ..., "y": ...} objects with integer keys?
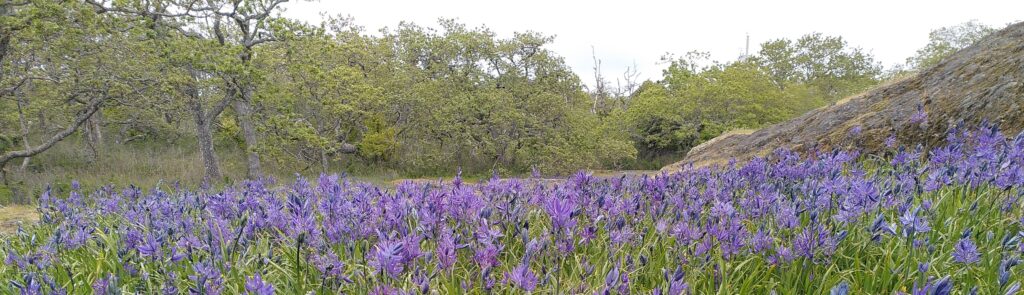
[{"x": 421, "y": 100}]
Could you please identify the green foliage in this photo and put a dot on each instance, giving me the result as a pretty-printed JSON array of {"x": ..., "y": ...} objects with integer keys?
[
  {"x": 827, "y": 64},
  {"x": 229, "y": 131},
  {"x": 945, "y": 41},
  {"x": 462, "y": 96},
  {"x": 379, "y": 143},
  {"x": 6, "y": 194},
  {"x": 698, "y": 99},
  {"x": 8, "y": 143},
  {"x": 317, "y": 97},
  {"x": 660, "y": 121}
]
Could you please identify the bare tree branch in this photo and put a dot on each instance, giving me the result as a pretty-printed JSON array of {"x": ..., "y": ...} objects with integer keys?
[{"x": 83, "y": 116}]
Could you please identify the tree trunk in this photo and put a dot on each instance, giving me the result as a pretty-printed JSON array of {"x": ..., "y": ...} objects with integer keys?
[
  {"x": 204, "y": 135},
  {"x": 204, "y": 126},
  {"x": 96, "y": 129},
  {"x": 43, "y": 125},
  {"x": 5, "y": 42},
  {"x": 94, "y": 135},
  {"x": 324, "y": 161},
  {"x": 243, "y": 112},
  {"x": 348, "y": 148},
  {"x": 5, "y": 36},
  {"x": 24, "y": 130}
]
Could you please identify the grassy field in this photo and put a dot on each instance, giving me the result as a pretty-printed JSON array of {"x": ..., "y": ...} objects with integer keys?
[
  {"x": 152, "y": 164},
  {"x": 144, "y": 165}
]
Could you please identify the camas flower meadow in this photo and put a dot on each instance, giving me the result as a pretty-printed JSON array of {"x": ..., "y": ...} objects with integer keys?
[{"x": 913, "y": 221}]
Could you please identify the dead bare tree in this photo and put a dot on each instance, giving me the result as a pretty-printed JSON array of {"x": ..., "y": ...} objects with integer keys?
[
  {"x": 601, "y": 93},
  {"x": 628, "y": 83},
  {"x": 600, "y": 90}
]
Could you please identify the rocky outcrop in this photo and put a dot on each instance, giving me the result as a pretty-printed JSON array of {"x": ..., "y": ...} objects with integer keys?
[{"x": 982, "y": 82}]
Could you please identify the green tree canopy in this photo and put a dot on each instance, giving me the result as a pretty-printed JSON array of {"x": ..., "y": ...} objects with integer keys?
[{"x": 945, "y": 41}]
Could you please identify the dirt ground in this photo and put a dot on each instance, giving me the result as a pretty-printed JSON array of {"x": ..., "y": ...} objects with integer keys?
[{"x": 11, "y": 216}]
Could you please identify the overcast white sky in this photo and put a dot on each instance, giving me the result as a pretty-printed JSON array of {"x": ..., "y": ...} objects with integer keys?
[{"x": 640, "y": 32}]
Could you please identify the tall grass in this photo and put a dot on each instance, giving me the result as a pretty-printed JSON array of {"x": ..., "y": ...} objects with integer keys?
[{"x": 147, "y": 164}]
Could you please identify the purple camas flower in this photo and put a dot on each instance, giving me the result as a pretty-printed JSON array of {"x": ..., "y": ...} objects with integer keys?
[
  {"x": 29, "y": 285},
  {"x": 256, "y": 286},
  {"x": 522, "y": 277},
  {"x": 132, "y": 238},
  {"x": 843, "y": 288},
  {"x": 561, "y": 213},
  {"x": 722, "y": 209},
  {"x": 856, "y": 130},
  {"x": 890, "y": 142},
  {"x": 787, "y": 218},
  {"x": 386, "y": 290},
  {"x": 169, "y": 288},
  {"x": 684, "y": 233},
  {"x": 616, "y": 281},
  {"x": 588, "y": 234},
  {"x": 676, "y": 284},
  {"x": 731, "y": 236},
  {"x": 149, "y": 247},
  {"x": 703, "y": 246},
  {"x": 1005, "y": 270},
  {"x": 920, "y": 117},
  {"x": 77, "y": 238},
  {"x": 920, "y": 242},
  {"x": 913, "y": 222},
  {"x": 105, "y": 285},
  {"x": 941, "y": 286},
  {"x": 488, "y": 280},
  {"x": 1012, "y": 289},
  {"x": 760, "y": 241},
  {"x": 661, "y": 226},
  {"x": 621, "y": 236},
  {"x": 966, "y": 252},
  {"x": 387, "y": 258},
  {"x": 207, "y": 279},
  {"x": 411, "y": 248},
  {"x": 422, "y": 281},
  {"x": 330, "y": 266},
  {"x": 806, "y": 243},
  {"x": 486, "y": 234},
  {"x": 445, "y": 251},
  {"x": 534, "y": 247},
  {"x": 176, "y": 255},
  {"x": 13, "y": 258},
  {"x": 486, "y": 255}
]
